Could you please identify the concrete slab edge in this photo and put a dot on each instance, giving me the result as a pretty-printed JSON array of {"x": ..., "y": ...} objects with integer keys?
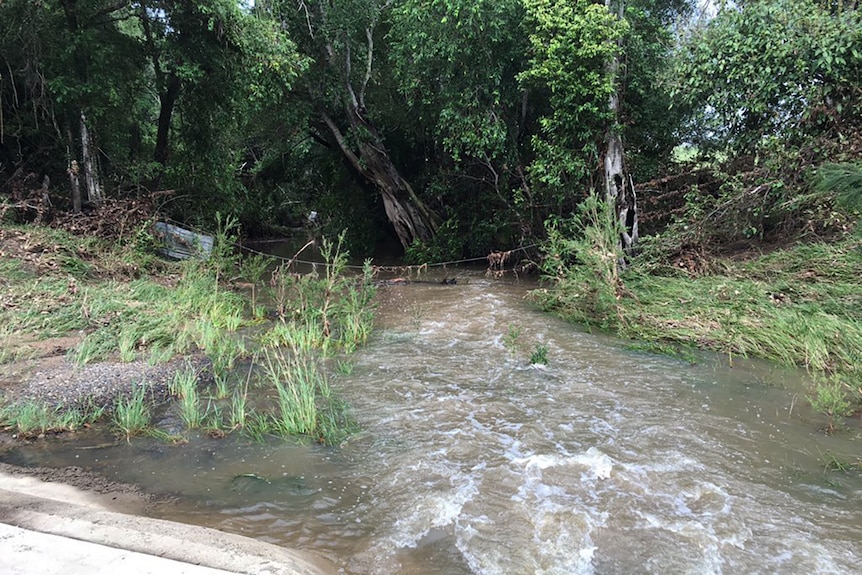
[{"x": 187, "y": 543}]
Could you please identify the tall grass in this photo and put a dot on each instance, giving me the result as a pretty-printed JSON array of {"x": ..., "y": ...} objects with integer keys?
[
  {"x": 584, "y": 257},
  {"x": 132, "y": 413},
  {"x": 298, "y": 383},
  {"x": 800, "y": 306},
  {"x": 34, "y": 418},
  {"x": 184, "y": 387},
  {"x": 193, "y": 310}
]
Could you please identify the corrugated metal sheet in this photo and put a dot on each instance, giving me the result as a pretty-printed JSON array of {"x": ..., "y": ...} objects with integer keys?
[{"x": 180, "y": 243}]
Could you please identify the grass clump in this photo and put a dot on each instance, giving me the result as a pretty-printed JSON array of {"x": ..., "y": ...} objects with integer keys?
[
  {"x": 830, "y": 397},
  {"x": 184, "y": 388},
  {"x": 132, "y": 414},
  {"x": 539, "y": 356},
  {"x": 28, "y": 419},
  {"x": 798, "y": 306},
  {"x": 304, "y": 403}
]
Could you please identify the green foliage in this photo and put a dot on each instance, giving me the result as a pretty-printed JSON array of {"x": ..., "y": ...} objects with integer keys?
[
  {"x": 30, "y": 419},
  {"x": 782, "y": 68},
  {"x": 583, "y": 256},
  {"x": 830, "y": 398},
  {"x": 344, "y": 367},
  {"x": 650, "y": 124},
  {"x": 131, "y": 414},
  {"x": 798, "y": 306},
  {"x": 252, "y": 269},
  {"x": 447, "y": 245},
  {"x": 539, "y": 356},
  {"x": 334, "y": 309},
  {"x": 571, "y": 45},
  {"x": 168, "y": 89},
  {"x": 843, "y": 181},
  {"x": 511, "y": 340},
  {"x": 456, "y": 61}
]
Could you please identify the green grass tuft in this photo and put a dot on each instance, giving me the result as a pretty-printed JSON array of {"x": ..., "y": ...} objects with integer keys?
[{"x": 132, "y": 414}]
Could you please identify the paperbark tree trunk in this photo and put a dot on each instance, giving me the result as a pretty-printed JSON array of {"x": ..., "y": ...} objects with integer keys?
[
  {"x": 619, "y": 188},
  {"x": 410, "y": 217},
  {"x": 74, "y": 171},
  {"x": 91, "y": 165}
]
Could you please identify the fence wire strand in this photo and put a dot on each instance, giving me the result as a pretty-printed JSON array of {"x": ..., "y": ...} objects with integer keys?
[{"x": 496, "y": 259}]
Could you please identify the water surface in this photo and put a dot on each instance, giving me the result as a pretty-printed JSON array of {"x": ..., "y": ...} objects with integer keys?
[{"x": 472, "y": 461}]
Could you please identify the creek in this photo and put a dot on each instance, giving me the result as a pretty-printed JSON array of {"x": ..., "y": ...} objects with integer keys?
[{"x": 471, "y": 460}]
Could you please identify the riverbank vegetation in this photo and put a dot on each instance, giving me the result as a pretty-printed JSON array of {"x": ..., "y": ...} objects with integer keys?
[
  {"x": 690, "y": 169},
  {"x": 117, "y": 303}
]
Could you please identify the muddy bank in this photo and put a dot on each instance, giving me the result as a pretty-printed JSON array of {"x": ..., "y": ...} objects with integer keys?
[{"x": 77, "y": 485}]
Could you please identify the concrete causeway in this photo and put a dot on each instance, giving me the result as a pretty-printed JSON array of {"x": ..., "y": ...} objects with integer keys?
[{"x": 49, "y": 528}]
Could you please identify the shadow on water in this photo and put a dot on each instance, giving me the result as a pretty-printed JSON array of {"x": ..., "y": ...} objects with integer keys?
[{"x": 472, "y": 460}]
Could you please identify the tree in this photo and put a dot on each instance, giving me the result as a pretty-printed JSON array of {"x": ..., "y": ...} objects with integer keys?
[
  {"x": 77, "y": 101},
  {"x": 598, "y": 65},
  {"x": 783, "y": 69},
  {"x": 575, "y": 49},
  {"x": 619, "y": 188},
  {"x": 456, "y": 63},
  {"x": 65, "y": 60},
  {"x": 342, "y": 41},
  {"x": 213, "y": 65}
]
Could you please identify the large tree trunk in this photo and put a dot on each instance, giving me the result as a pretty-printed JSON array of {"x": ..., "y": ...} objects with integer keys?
[
  {"x": 91, "y": 165},
  {"x": 410, "y": 217},
  {"x": 619, "y": 189},
  {"x": 167, "y": 101}
]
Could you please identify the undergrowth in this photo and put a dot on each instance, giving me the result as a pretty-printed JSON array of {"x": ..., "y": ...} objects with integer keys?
[
  {"x": 799, "y": 306},
  {"x": 183, "y": 309}
]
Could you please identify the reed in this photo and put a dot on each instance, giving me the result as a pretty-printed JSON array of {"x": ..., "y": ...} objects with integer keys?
[
  {"x": 297, "y": 382},
  {"x": 132, "y": 413},
  {"x": 184, "y": 387},
  {"x": 239, "y": 409},
  {"x": 34, "y": 418}
]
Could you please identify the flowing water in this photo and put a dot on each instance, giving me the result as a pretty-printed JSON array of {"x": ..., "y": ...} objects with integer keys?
[{"x": 470, "y": 460}]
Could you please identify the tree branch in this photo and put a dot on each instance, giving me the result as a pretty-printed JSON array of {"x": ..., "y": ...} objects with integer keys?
[
  {"x": 369, "y": 35},
  {"x": 347, "y": 71},
  {"x": 304, "y": 8},
  {"x": 110, "y": 10},
  {"x": 339, "y": 139}
]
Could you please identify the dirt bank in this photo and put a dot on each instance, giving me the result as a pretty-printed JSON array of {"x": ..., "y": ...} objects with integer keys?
[{"x": 77, "y": 485}]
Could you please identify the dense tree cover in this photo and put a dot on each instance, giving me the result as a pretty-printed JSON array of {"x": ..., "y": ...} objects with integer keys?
[
  {"x": 453, "y": 126},
  {"x": 788, "y": 69}
]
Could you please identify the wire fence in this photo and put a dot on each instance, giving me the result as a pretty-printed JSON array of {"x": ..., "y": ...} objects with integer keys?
[{"x": 497, "y": 260}]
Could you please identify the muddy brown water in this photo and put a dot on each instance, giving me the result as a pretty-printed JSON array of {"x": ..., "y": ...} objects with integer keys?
[{"x": 471, "y": 461}]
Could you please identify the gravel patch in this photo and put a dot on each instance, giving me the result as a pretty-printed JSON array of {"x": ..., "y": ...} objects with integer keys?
[{"x": 57, "y": 381}]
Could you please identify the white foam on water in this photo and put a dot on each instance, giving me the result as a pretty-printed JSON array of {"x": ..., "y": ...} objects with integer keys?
[
  {"x": 550, "y": 540},
  {"x": 548, "y": 525},
  {"x": 596, "y": 464},
  {"x": 432, "y": 510}
]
